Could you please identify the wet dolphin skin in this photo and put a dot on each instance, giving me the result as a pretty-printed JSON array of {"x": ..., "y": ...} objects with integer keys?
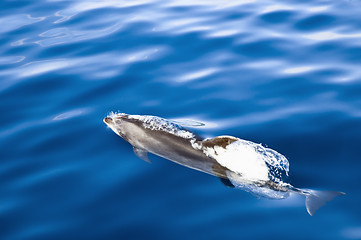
[{"x": 238, "y": 163}]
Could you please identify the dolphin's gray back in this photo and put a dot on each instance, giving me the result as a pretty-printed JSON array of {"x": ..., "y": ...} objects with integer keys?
[{"x": 179, "y": 150}]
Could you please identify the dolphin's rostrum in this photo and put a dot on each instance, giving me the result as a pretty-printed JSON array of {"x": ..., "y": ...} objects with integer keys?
[{"x": 238, "y": 163}]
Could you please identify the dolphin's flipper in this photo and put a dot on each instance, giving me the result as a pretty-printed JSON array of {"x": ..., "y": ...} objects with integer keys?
[
  {"x": 142, "y": 154},
  {"x": 226, "y": 182},
  {"x": 316, "y": 199}
]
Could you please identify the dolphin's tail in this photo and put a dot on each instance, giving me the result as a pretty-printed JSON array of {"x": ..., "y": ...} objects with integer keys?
[{"x": 316, "y": 199}]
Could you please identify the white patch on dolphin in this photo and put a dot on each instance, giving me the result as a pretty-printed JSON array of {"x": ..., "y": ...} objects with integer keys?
[
  {"x": 238, "y": 163},
  {"x": 241, "y": 157}
]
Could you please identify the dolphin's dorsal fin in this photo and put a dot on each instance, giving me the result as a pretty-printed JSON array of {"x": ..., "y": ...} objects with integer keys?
[
  {"x": 222, "y": 141},
  {"x": 142, "y": 154}
]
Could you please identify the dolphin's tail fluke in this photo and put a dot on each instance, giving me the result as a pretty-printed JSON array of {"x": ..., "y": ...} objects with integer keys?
[{"x": 316, "y": 199}]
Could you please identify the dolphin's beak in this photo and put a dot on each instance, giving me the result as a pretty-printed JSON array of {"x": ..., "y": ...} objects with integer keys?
[{"x": 107, "y": 120}]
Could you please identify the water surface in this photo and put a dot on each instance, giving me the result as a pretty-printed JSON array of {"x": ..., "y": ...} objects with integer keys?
[{"x": 284, "y": 74}]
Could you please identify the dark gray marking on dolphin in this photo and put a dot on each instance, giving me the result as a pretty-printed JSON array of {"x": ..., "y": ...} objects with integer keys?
[{"x": 238, "y": 163}]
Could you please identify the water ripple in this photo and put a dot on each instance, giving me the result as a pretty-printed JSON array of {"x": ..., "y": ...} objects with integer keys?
[
  {"x": 80, "y": 7},
  {"x": 11, "y": 59},
  {"x": 42, "y": 67},
  {"x": 286, "y": 74},
  {"x": 13, "y": 22},
  {"x": 64, "y": 36}
]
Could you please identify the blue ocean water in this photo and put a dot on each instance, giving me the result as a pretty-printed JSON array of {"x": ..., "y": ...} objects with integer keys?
[{"x": 284, "y": 74}]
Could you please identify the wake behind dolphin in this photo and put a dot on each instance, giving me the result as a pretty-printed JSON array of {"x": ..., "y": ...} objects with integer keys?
[{"x": 238, "y": 163}]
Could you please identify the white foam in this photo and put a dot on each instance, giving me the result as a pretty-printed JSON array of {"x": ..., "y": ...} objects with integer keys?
[
  {"x": 240, "y": 158},
  {"x": 249, "y": 159},
  {"x": 116, "y": 114}
]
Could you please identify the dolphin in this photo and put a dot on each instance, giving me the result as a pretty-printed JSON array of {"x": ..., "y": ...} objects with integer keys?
[{"x": 236, "y": 162}]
